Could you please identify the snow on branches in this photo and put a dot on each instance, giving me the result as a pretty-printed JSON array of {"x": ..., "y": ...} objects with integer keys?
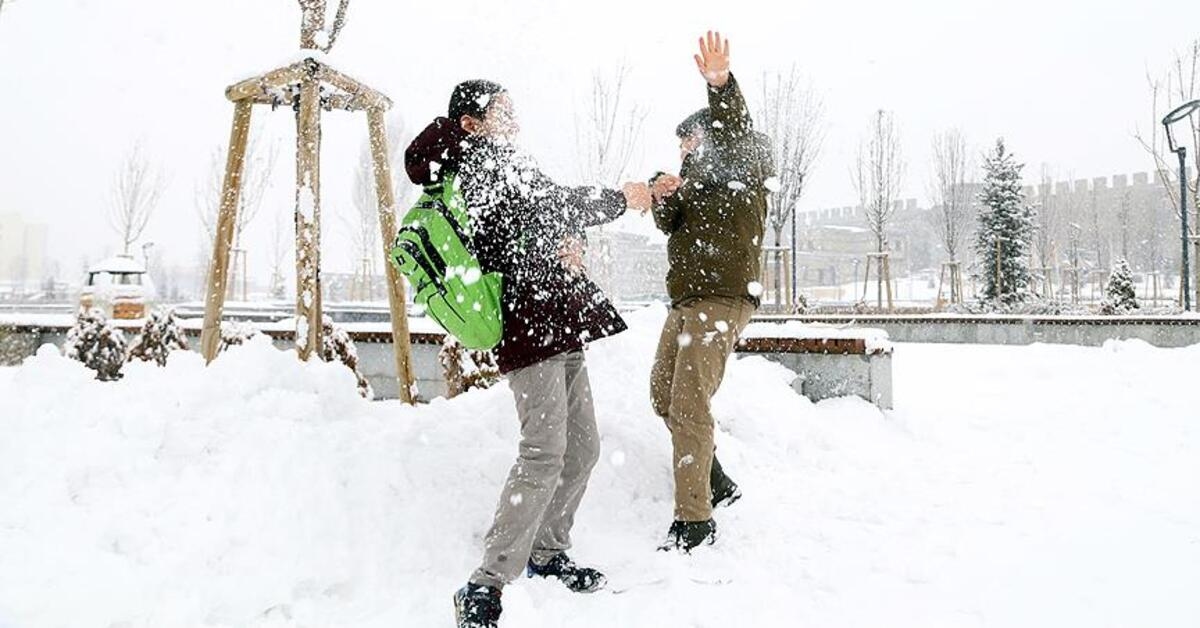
[
  {"x": 161, "y": 334},
  {"x": 97, "y": 344},
  {"x": 339, "y": 347},
  {"x": 1119, "y": 295},
  {"x": 465, "y": 370}
]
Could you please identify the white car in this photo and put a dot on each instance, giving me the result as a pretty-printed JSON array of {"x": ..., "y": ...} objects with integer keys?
[{"x": 119, "y": 286}]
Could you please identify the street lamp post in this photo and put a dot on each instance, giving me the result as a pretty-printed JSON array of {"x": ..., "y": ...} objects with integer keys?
[{"x": 1180, "y": 151}]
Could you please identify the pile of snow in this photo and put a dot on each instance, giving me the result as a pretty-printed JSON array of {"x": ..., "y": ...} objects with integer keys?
[{"x": 1013, "y": 486}]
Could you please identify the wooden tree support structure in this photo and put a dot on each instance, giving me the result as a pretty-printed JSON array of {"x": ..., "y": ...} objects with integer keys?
[
  {"x": 308, "y": 87},
  {"x": 883, "y": 276},
  {"x": 777, "y": 272},
  {"x": 951, "y": 271}
]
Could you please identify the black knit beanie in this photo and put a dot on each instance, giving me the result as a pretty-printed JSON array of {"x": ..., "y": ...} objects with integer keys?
[
  {"x": 471, "y": 98},
  {"x": 700, "y": 120}
]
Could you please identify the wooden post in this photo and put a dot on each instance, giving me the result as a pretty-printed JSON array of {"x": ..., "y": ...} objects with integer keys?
[
  {"x": 887, "y": 274},
  {"x": 218, "y": 271},
  {"x": 937, "y": 302},
  {"x": 387, "y": 226},
  {"x": 308, "y": 218}
]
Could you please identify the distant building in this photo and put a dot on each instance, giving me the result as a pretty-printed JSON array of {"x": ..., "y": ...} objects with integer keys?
[{"x": 23, "y": 266}]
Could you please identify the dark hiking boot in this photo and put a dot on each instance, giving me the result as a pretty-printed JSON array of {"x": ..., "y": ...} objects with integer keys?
[
  {"x": 578, "y": 579},
  {"x": 724, "y": 490},
  {"x": 477, "y": 606},
  {"x": 684, "y": 536}
]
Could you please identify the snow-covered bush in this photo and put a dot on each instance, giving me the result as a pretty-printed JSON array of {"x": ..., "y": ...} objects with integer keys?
[
  {"x": 339, "y": 347},
  {"x": 95, "y": 342},
  {"x": 160, "y": 335},
  {"x": 1119, "y": 295},
  {"x": 466, "y": 369},
  {"x": 234, "y": 333}
]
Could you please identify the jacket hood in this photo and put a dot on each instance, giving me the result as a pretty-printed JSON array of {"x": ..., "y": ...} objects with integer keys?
[{"x": 436, "y": 149}]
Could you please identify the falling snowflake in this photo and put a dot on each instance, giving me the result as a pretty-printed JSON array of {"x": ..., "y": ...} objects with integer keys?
[{"x": 754, "y": 288}]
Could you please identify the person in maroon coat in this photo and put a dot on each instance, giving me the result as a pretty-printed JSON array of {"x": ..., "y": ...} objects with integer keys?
[{"x": 530, "y": 230}]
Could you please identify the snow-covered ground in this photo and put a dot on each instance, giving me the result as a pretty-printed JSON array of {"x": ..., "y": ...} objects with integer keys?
[{"x": 1012, "y": 486}]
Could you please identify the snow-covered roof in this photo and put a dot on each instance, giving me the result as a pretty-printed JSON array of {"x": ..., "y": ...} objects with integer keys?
[{"x": 118, "y": 264}]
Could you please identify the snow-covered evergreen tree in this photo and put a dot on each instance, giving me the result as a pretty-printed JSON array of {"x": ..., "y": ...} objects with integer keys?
[
  {"x": 1120, "y": 297},
  {"x": 95, "y": 342},
  {"x": 160, "y": 336},
  {"x": 234, "y": 333},
  {"x": 339, "y": 347},
  {"x": 466, "y": 370},
  {"x": 1005, "y": 231}
]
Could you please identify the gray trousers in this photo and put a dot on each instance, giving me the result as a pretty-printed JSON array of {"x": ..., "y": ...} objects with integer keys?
[{"x": 559, "y": 447}]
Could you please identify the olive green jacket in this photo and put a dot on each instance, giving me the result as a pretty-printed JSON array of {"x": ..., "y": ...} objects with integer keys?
[{"x": 715, "y": 221}]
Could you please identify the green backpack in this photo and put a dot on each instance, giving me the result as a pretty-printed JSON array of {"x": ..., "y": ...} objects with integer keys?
[{"x": 431, "y": 249}]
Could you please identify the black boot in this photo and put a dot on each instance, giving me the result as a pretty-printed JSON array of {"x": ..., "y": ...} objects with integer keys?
[
  {"x": 477, "y": 606},
  {"x": 578, "y": 579},
  {"x": 684, "y": 536},
  {"x": 724, "y": 490}
]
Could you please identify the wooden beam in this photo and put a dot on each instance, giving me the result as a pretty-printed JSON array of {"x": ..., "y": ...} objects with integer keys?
[
  {"x": 262, "y": 85},
  {"x": 218, "y": 272},
  {"x": 308, "y": 219},
  {"x": 387, "y": 226},
  {"x": 372, "y": 98}
]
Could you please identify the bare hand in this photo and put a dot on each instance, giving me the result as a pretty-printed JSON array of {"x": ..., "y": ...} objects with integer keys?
[
  {"x": 570, "y": 253},
  {"x": 713, "y": 60},
  {"x": 665, "y": 185},
  {"x": 637, "y": 196}
]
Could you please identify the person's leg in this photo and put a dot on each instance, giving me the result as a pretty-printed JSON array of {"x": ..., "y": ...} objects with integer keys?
[
  {"x": 663, "y": 371},
  {"x": 711, "y": 327},
  {"x": 583, "y": 451},
  {"x": 541, "y": 397}
]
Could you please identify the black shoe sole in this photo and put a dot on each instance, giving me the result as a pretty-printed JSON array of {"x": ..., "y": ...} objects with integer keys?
[{"x": 728, "y": 500}]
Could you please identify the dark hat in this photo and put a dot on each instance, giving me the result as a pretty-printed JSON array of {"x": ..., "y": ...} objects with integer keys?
[
  {"x": 700, "y": 120},
  {"x": 471, "y": 98}
]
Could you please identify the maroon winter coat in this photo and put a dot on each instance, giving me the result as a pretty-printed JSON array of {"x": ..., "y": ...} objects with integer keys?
[{"x": 520, "y": 218}]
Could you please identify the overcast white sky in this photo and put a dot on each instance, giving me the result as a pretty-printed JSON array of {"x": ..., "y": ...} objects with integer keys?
[{"x": 1063, "y": 81}]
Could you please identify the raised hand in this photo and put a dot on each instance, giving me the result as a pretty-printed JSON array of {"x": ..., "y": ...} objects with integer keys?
[{"x": 713, "y": 60}]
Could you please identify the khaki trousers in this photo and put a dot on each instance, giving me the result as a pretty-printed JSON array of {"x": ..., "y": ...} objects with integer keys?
[{"x": 697, "y": 340}]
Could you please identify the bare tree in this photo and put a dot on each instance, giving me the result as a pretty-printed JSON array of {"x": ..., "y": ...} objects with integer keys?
[
  {"x": 136, "y": 191},
  {"x": 792, "y": 115},
  {"x": 607, "y": 130},
  {"x": 950, "y": 192},
  {"x": 314, "y": 35},
  {"x": 282, "y": 237},
  {"x": 1179, "y": 84},
  {"x": 879, "y": 171},
  {"x": 256, "y": 178},
  {"x": 1053, "y": 211},
  {"x": 363, "y": 223}
]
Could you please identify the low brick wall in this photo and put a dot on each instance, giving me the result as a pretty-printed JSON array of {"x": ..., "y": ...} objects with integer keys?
[{"x": 827, "y": 368}]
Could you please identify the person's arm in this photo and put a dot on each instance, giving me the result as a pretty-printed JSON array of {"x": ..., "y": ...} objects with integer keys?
[
  {"x": 668, "y": 202},
  {"x": 731, "y": 122}
]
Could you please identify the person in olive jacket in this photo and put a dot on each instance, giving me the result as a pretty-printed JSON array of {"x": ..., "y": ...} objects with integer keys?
[{"x": 714, "y": 215}]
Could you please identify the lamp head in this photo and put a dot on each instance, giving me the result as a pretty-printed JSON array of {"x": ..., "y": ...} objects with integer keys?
[{"x": 1179, "y": 113}]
